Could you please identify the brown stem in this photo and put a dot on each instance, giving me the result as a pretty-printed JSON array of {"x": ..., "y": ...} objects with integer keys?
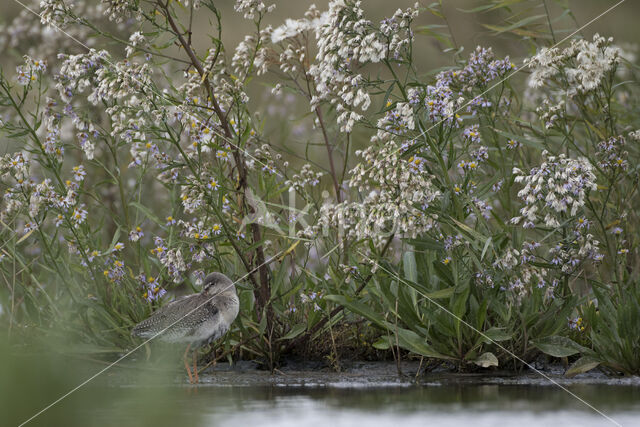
[
  {"x": 325, "y": 136},
  {"x": 263, "y": 293},
  {"x": 334, "y": 176}
]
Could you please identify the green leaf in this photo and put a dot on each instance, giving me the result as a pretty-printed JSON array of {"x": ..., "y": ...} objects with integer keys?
[
  {"x": 425, "y": 292},
  {"x": 459, "y": 303},
  {"x": 382, "y": 343},
  {"x": 417, "y": 344},
  {"x": 441, "y": 294},
  {"x": 116, "y": 236},
  {"x": 496, "y": 334},
  {"x": 410, "y": 267},
  {"x": 386, "y": 96},
  {"x": 486, "y": 360},
  {"x": 516, "y": 25},
  {"x": 476, "y": 9},
  {"x": 526, "y": 140},
  {"x": 558, "y": 346},
  {"x": 470, "y": 231},
  {"x": 486, "y": 246},
  {"x": 26, "y": 236},
  {"x": 459, "y": 308},
  {"x": 426, "y": 243},
  {"x": 358, "y": 308},
  {"x": 147, "y": 213},
  {"x": 582, "y": 365},
  {"x": 492, "y": 6},
  {"x": 428, "y": 30},
  {"x": 279, "y": 278},
  {"x": 295, "y": 331}
]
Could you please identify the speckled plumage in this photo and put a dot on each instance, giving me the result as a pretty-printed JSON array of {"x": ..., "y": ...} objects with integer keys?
[{"x": 199, "y": 318}]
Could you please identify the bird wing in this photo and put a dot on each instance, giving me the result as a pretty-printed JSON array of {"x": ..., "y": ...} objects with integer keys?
[{"x": 180, "y": 318}]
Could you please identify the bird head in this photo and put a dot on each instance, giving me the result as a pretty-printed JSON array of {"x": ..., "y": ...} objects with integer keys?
[{"x": 218, "y": 283}]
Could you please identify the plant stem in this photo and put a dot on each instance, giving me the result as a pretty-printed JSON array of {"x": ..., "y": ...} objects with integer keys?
[{"x": 263, "y": 292}]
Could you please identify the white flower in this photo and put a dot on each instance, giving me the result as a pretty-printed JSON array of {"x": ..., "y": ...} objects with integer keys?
[
  {"x": 290, "y": 28},
  {"x": 136, "y": 39},
  {"x": 252, "y": 9},
  {"x": 558, "y": 186},
  {"x": 345, "y": 38},
  {"x": 592, "y": 60},
  {"x": 399, "y": 191},
  {"x": 305, "y": 177}
]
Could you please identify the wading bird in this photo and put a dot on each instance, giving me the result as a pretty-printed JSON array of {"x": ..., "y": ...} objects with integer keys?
[{"x": 196, "y": 319}]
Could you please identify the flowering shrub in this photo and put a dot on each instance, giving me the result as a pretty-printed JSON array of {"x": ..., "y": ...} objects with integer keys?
[{"x": 130, "y": 172}]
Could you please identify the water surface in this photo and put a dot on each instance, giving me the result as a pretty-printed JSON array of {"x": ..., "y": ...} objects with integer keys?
[
  {"x": 374, "y": 395},
  {"x": 365, "y": 394}
]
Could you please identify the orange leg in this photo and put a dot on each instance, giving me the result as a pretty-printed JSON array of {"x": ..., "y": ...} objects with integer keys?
[
  {"x": 195, "y": 366},
  {"x": 186, "y": 364}
]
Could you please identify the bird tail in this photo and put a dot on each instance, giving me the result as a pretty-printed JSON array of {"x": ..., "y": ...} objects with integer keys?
[{"x": 141, "y": 330}]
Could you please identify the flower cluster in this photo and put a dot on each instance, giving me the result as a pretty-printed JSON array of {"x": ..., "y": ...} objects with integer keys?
[
  {"x": 53, "y": 12},
  {"x": 554, "y": 191},
  {"x": 114, "y": 269},
  {"x": 451, "y": 88},
  {"x": 170, "y": 258},
  {"x": 136, "y": 40},
  {"x": 398, "y": 120},
  {"x": 584, "y": 63},
  {"x": 514, "y": 271},
  {"x": 29, "y": 72},
  {"x": 554, "y": 194},
  {"x": 152, "y": 289},
  {"x": 481, "y": 68},
  {"x": 398, "y": 30},
  {"x": 550, "y": 112},
  {"x": 578, "y": 246},
  {"x": 266, "y": 158},
  {"x": 345, "y": 41},
  {"x": 252, "y": 9},
  {"x": 479, "y": 206},
  {"x": 250, "y": 53},
  {"x": 312, "y": 299},
  {"x": 136, "y": 234},
  {"x": 472, "y": 134},
  {"x": 306, "y": 177},
  {"x": 577, "y": 70},
  {"x": 38, "y": 196},
  {"x": 440, "y": 103},
  {"x": 119, "y": 10},
  {"x": 576, "y": 324},
  {"x": 312, "y": 21},
  {"x": 76, "y": 72},
  {"x": 399, "y": 192},
  {"x": 611, "y": 155}
]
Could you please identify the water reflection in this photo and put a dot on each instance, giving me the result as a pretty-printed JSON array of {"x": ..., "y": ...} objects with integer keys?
[
  {"x": 155, "y": 394},
  {"x": 478, "y": 405}
]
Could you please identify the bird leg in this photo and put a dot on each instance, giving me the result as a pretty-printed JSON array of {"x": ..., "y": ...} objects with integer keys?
[
  {"x": 195, "y": 366},
  {"x": 186, "y": 364}
]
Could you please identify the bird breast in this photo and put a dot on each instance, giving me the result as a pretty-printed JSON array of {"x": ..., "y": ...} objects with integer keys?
[{"x": 216, "y": 326}]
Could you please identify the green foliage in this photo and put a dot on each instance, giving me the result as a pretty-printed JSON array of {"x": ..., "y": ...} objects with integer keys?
[
  {"x": 612, "y": 327},
  {"x": 466, "y": 214}
]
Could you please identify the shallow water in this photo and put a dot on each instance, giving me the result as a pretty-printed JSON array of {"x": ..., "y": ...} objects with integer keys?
[
  {"x": 366, "y": 394},
  {"x": 390, "y": 405},
  {"x": 374, "y": 395}
]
